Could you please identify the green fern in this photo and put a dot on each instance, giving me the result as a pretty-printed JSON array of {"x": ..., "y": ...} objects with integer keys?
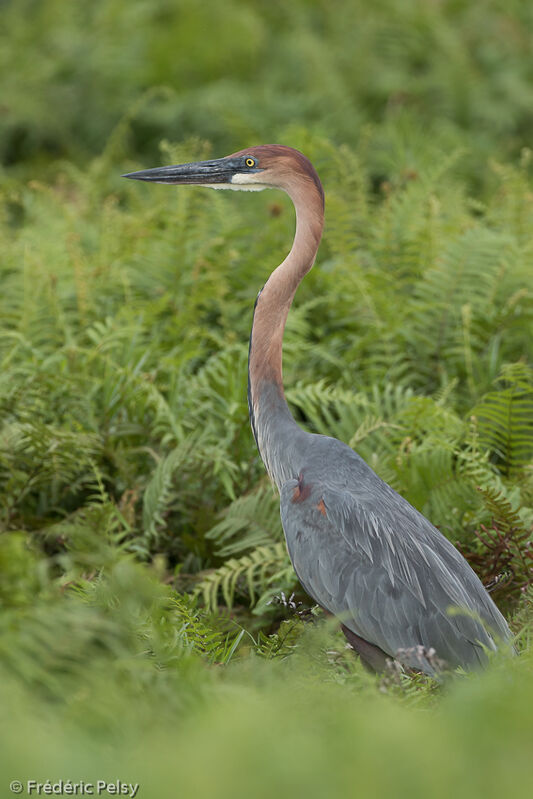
[
  {"x": 502, "y": 512},
  {"x": 506, "y": 418},
  {"x": 254, "y": 573},
  {"x": 249, "y": 522},
  {"x": 283, "y": 643},
  {"x": 158, "y": 493}
]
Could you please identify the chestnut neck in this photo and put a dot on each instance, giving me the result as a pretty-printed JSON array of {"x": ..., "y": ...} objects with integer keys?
[{"x": 266, "y": 397}]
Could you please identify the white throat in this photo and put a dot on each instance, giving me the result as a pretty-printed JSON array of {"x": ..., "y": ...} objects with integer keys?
[{"x": 240, "y": 182}]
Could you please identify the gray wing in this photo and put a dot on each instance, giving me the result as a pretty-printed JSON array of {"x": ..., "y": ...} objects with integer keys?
[{"x": 388, "y": 573}]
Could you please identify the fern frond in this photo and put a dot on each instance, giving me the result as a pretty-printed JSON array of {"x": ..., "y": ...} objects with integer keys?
[
  {"x": 158, "y": 492},
  {"x": 249, "y": 522},
  {"x": 254, "y": 572},
  {"x": 503, "y": 514},
  {"x": 369, "y": 425},
  {"x": 506, "y": 418},
  {"x": 282, "y": 643}
]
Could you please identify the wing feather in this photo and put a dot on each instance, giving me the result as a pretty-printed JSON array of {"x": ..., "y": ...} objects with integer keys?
[{"x": 391, "y": 578}]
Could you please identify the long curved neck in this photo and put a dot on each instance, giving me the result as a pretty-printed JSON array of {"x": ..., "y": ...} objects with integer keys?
[{"x": 271, "y": 420}]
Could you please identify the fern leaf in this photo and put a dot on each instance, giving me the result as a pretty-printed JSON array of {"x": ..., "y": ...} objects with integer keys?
[
  {"x": 253, "y": 572},
  {"x": 250, "y": 521},
  {"x": 158, "y": 492},
  {"x": 506, "y": 418},
  {"x": 503, "y": 514}
]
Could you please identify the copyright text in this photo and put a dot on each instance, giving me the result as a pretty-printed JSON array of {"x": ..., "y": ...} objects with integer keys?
[{"x": 70, "y": 788}]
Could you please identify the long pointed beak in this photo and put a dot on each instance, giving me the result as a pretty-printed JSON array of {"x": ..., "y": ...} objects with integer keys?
[{"x": 198, "y": 173}]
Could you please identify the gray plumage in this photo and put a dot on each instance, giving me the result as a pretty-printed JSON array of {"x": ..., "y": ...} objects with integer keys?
[{"x": 363, "y": 553}]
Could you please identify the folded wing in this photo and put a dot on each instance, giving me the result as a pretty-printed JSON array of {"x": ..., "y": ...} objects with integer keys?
[{"x": 391, "y": 577}]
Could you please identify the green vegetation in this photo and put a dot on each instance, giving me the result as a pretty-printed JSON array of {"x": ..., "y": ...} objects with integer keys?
[{"x": 142, "y": 562}]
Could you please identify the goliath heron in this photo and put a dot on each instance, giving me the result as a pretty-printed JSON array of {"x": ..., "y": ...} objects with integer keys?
[{"x": 359, "y": 549}]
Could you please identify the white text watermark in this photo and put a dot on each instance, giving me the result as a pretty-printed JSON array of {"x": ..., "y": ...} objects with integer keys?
[{"x": 71, "y": 788}]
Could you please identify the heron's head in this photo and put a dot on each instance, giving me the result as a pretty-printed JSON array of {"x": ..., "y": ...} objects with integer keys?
[{"x": 256, "y": 168}]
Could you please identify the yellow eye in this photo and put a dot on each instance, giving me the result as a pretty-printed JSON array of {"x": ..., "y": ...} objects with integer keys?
[{"x": 250, "y": 162}]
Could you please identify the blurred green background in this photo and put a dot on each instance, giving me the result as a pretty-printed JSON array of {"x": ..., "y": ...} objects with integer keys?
[
  {"x": 142, "y": 561},
  {"x": 241, "y": 72}
]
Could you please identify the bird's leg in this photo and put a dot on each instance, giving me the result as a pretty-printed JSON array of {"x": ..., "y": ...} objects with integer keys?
[{"x": 372, "y": 657}]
